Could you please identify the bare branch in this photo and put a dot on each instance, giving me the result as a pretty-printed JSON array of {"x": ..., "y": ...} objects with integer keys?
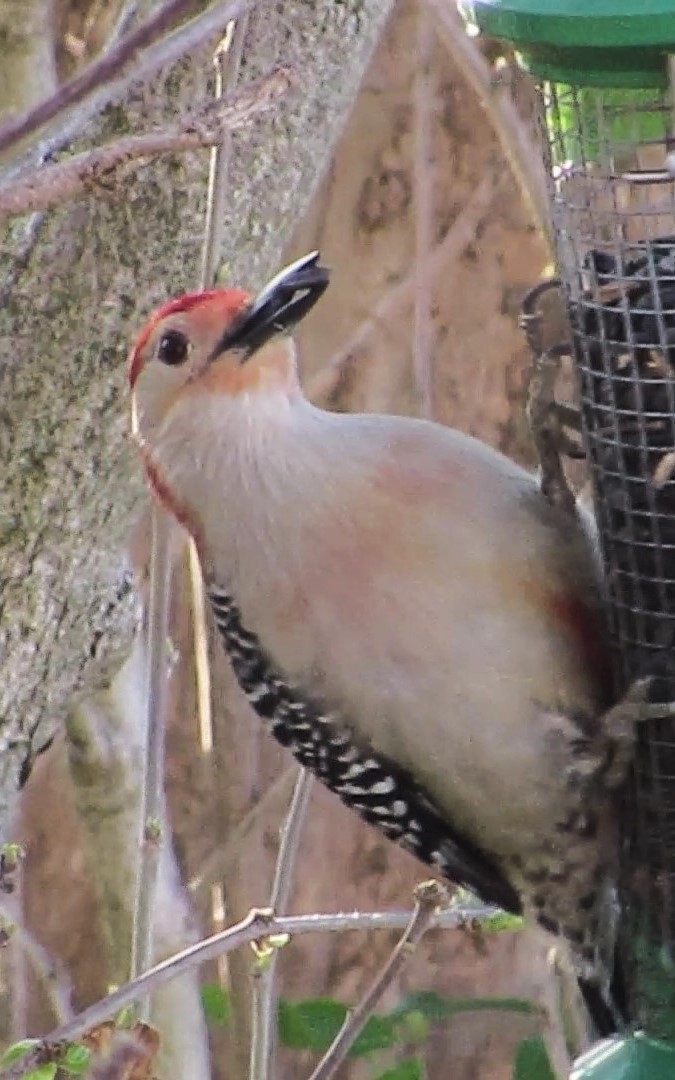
[
  {"x": 429, "y": 896},
  {"x": 66, "y": 134},
  {"x": 290, "y": 839},
  {"x": 17, "y": 967},
  {"x": 53, "y": 184},
  {"x": 152, "y": 815},
  {"x": 42, "y": 1053},
  {"x": 225, "y": 855},
  {"x": 119, "y": 64},
  {"x": 227, "y": 61},
  {"x": 125, "y": 19},
  {"x": 264, "y": 990},
  {"x": 235, "y": 971},
  {"x": 51, "y": 142},
  {"x": 257, "y": 924}
]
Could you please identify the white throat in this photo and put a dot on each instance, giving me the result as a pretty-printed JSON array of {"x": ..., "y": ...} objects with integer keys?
[{"x": 252, "y": 468}]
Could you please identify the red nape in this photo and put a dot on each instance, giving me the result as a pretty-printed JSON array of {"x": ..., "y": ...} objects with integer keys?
[{"x": 231, "y": 301}]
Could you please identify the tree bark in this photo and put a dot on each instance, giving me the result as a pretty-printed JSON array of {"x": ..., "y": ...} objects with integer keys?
[
  {"x": 75, "y": 285},
  {"x": 27, "y": 58}
]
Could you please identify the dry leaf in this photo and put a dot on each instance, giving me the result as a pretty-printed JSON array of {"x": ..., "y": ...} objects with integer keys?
[{"x": 122, "y": 1053}]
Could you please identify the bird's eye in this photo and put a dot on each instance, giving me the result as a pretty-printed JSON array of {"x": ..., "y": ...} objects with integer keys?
[{"x": 173, "y": 348}]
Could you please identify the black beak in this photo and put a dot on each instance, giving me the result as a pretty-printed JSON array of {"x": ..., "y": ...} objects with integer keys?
[{"x": 283, "y": 302}]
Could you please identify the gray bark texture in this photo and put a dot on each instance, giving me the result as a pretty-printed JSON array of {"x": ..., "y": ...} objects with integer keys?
[
  {"x": 75, "y": 286},
  {"x": 28, "y": 68}
]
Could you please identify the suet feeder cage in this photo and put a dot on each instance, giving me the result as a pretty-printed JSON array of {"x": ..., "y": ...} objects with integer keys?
[{"x": 606, "y": 76}]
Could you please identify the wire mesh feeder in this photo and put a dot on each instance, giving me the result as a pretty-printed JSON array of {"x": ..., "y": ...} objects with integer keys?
[
  {"x": 613, "y": 202},
  {"x": 608, "y": 118}
]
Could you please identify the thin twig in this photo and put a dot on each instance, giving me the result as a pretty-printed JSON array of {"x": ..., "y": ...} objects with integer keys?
[
  {"x": 160, "y": 561},
  {"x": 290, "y": 839},
  {"x": 264, "y": 986},
  {"x": 53, "y": 184},
  {"x": 129, "y": 58},
  {"x": 111, "y": 1065},
  {"x": 49, "y": 971},
  {"x": 257, "y": 924},
  {"x": 219, "y": 862},
  {"x": 227, "y": 61},
  {"x": 423, "y": 206},
  {"x": 429, "y": 896},
  {"x": 43, "y": 1053},
  {"x": 460, "y": 233},
  {"x": 18, "y": 967},
  {"x": 152, "y": 802},
  {"x": 67, "y": 129},
  {"x": 125, "y": 19},
  {"x": 519, "y": 149},
  {"x": 48, "y": 148},
  {"x": 202, "y": 660}
]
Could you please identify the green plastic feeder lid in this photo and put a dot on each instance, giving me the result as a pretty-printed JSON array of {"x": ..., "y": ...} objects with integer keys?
[
  {"x": 622, "y": 43},
  {"x": 634, "y": 1057}
]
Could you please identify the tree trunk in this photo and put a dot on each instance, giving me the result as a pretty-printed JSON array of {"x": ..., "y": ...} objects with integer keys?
[{"x": 75, "y": 287}]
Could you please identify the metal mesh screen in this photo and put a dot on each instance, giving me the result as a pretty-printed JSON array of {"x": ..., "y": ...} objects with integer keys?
[{"x": 613, "y": 203}]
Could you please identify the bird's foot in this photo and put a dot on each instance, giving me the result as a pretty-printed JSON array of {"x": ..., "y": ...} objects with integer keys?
[{"x": 620, "y": 722}]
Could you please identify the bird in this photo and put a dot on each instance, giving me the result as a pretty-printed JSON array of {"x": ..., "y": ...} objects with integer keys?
[{"x": 403, "y": 608}]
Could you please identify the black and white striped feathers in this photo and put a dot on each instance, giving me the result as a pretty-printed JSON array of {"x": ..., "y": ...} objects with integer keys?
[{"x": 381, "y": 792}]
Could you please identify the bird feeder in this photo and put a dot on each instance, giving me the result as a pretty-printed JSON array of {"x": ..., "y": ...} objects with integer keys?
[{"x": 606, "y": 72}]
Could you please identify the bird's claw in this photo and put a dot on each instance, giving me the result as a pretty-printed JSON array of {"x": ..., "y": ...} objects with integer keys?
[{"x": 620, "y": 726}]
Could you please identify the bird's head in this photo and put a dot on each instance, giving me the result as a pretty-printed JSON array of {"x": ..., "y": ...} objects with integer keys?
[{"x": 224, "y": 341}]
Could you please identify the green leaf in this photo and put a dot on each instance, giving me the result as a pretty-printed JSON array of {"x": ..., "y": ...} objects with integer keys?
[
  {"x": 379, "y": 1033},
  {"x": 432, "y": 1006},
  {"x": 521, "y": 1006},
  {"x": 311, "y": 1024},
  {"x": 314, "y": 1023},
  {"x": 414, "y": 1026},
  {"x": 435, "y": 1007},
  {"x": 76, "y": 1059},
  {"x": 532, "y": 1061},
  {"x": 410, "y": 1069},
  {"x": 216, "y": 1003},
  {"x": 126, "y": 1017},
  {"x": 18, "y": 1050},
  {"x": 43, "y": 1072}
]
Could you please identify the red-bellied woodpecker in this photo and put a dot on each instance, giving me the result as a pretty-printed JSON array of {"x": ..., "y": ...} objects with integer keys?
[{"x": 401, "y": 605}]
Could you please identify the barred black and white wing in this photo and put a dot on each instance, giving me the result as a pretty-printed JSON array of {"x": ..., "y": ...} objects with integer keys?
[{"x": 327, "y": 744}]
